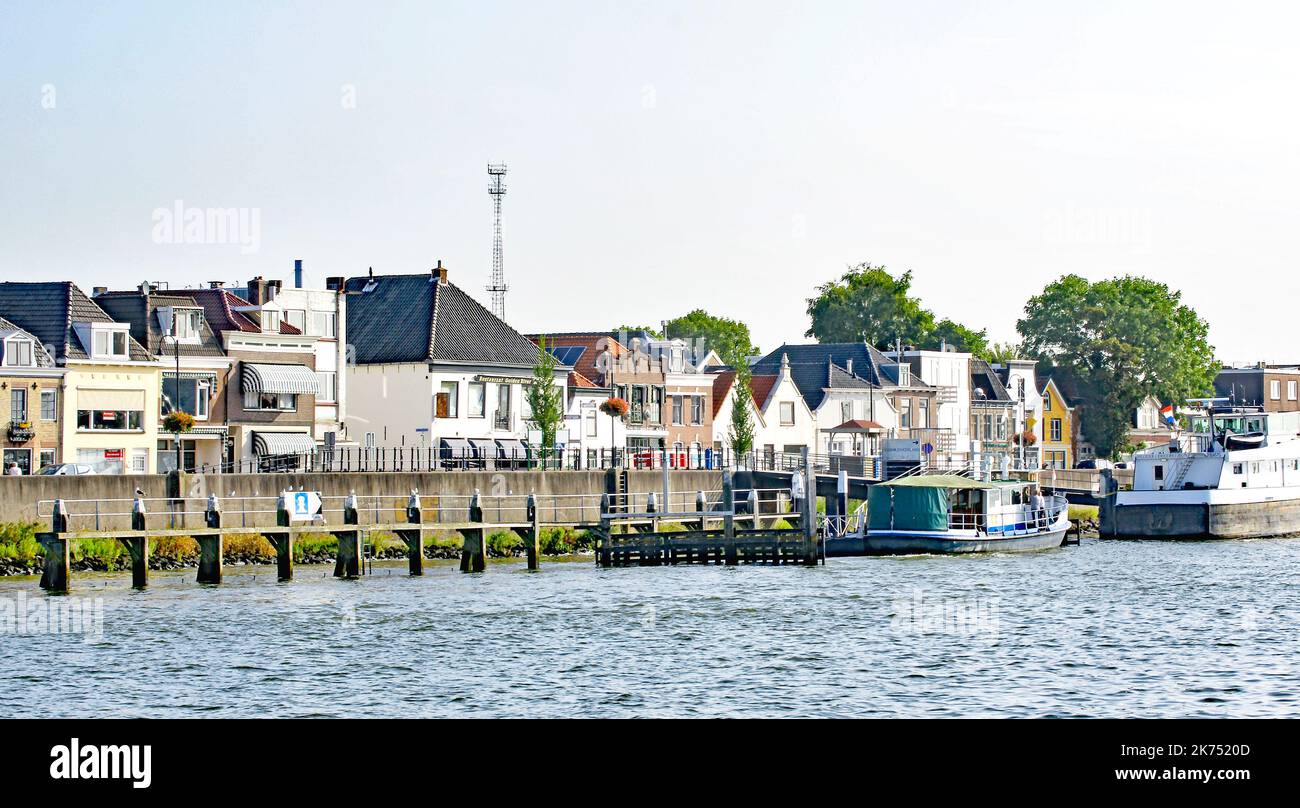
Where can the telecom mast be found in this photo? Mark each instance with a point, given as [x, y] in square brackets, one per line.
[497, 174]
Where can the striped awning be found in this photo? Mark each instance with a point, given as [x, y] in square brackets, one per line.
[186, 375]
[289, 379]
[282, 443]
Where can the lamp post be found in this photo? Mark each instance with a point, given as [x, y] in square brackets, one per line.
[176, 388]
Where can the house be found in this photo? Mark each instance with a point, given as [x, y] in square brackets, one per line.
[30, 383]
[945, 374]
[1149, 426]
[1060, 427]
[783, 422]
[108, 412]
[688, 395]
[1276, 388]
[633, 374]
[589, 434]
[431, 367]
[992, 415]
[1019, 377]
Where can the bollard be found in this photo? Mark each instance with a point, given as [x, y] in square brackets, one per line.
[842, 493]
[347, 563]
[652, 506]
[473, 556]
[532, 536]
[211, 547]
[414, 538]
[602, 537]
[753, 509]
[282, 542]
[809, 521]
[58, 554]
[701, 505]
[652, 556]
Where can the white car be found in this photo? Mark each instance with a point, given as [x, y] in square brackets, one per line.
[59, 469]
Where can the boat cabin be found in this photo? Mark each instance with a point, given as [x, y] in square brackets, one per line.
[954, 504]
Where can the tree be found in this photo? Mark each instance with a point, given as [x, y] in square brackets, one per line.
[1000, 353]
[867, 303]
[960, 337]
[545, 398]
[741, 432]
[1119, 341]
[729, 338]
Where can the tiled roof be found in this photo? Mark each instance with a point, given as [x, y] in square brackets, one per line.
[141, 312]
[761, 387]
[412, 318]
[722, 388]
[48, 310]
[576, 379]
[593, 345]
[983, 378]
[42, 357]
[818, 366]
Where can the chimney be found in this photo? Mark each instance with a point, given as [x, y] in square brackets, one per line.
[297, 273]
[256, 291]
[440, 272]
[335, 283]
[849, 366]
[100, 290]
[272, 289]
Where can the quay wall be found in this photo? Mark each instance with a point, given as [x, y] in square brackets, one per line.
[439, 490]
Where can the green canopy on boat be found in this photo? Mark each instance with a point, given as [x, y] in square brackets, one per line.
[907, 507]
[939, 481]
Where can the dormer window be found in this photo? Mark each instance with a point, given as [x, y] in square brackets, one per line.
[188, 324]
[19, 353]
[110, 344]
[270, 321]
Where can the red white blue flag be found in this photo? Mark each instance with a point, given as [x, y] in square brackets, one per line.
[1167, 413]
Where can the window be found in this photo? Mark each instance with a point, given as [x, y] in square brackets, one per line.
[119, 420]
[18, 404]
[988, 426]
[905, 413]
[787, 413]
[1274, 389]
[18, 353]
[477, 400]
[656, 405]
[109, 343]
[187, 395]
[270, 321]
[592, 421]
[1159, 472]
[923, 413]
[1056, 430]
[1238, 468]
[47, 458]
[677, 410]
[275, 402]
[846, 411]
[187, 324]
[503, 407]
[167, 456]
[140, 461]
[1002, 427]
[448, 399]
[697, 410]
[23, 457]
[324, 324]
[329, 386]
[1290, 390]
[296, 318]
[49, 405]
[370, 440]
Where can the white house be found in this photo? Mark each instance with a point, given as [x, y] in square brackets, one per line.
[431, 367]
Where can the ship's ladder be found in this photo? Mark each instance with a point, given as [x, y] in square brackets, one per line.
[1183, 467]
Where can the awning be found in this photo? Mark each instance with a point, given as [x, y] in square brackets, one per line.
[456, 447]
[857, 427]
[487, 448]
[282, 443]
[111, 400]
[512, 449]
[289, 379]
[200, 375]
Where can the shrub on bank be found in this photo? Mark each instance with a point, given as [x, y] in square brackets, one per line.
[18, 541]
[504, 543]
[176, 548]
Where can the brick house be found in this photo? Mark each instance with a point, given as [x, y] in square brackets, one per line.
[30, 388]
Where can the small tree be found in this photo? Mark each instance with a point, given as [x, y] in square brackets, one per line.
[545, 398]
[742, 420]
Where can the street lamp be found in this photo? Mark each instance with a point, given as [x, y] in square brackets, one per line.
[176, 389]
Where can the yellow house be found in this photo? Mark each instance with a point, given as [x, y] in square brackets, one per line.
[1058, 428]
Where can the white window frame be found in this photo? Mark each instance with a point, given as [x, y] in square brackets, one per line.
[787, 407]
[329, 381]
[1275, 389]
[29, 348]
[1291, 390]
[324, 323]
[296, 318]
[469, 403]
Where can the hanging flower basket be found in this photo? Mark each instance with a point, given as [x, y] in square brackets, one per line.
[614, 407]
[177, 422]
[21, 432]
[1026, 438]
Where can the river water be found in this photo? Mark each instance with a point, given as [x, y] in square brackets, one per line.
[1109, 628]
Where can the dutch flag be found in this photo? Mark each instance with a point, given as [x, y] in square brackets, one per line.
[1167, 413]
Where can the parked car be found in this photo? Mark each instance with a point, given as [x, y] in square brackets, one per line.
[60, 469]
[1094, 464]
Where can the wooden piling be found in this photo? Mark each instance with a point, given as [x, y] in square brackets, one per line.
[729, 520]
[532, 537]
[138, 546]
[809, 521]
[347, 562]
[211, 546]
[473, 555]
[414, 537]
[282, 542]
[58, 561]
[603, 557]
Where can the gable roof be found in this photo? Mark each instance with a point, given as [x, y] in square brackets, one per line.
[722, 388]
[583, 349]
[818, 366]
[48, 309]
[761, 386]
[1064, 388]
[141, 312]
[39, 354]
[984, 379]
[414, 318]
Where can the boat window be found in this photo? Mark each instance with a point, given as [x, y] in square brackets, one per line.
[1160, 472]
[1237, 468]
[1255, 425]
[1254, 468]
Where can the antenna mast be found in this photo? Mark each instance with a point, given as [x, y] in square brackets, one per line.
[497, 174]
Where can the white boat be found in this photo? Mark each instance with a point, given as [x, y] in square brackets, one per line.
[1235, 474]
[950, 513]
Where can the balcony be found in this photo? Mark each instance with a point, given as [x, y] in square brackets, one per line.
[20, 432]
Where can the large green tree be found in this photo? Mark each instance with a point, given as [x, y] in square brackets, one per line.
[867, 303]
[730, 338]
[1119, 340]
[545, 398]
[960, 337]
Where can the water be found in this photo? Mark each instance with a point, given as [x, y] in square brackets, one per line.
[1105, 629]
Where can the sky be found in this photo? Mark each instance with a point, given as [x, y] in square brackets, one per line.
[666, 156]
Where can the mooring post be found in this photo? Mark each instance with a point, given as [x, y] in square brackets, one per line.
[652, 506]
[414, 538]
[211, 547]
[473, 556]
[809, 512]
[533, 537]
[347, 562]
[701, 505]
[842, 493]
[58, 560]
[753, 508]
[138, 546]
[283, 542]
[728, 519]
[603, 534]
